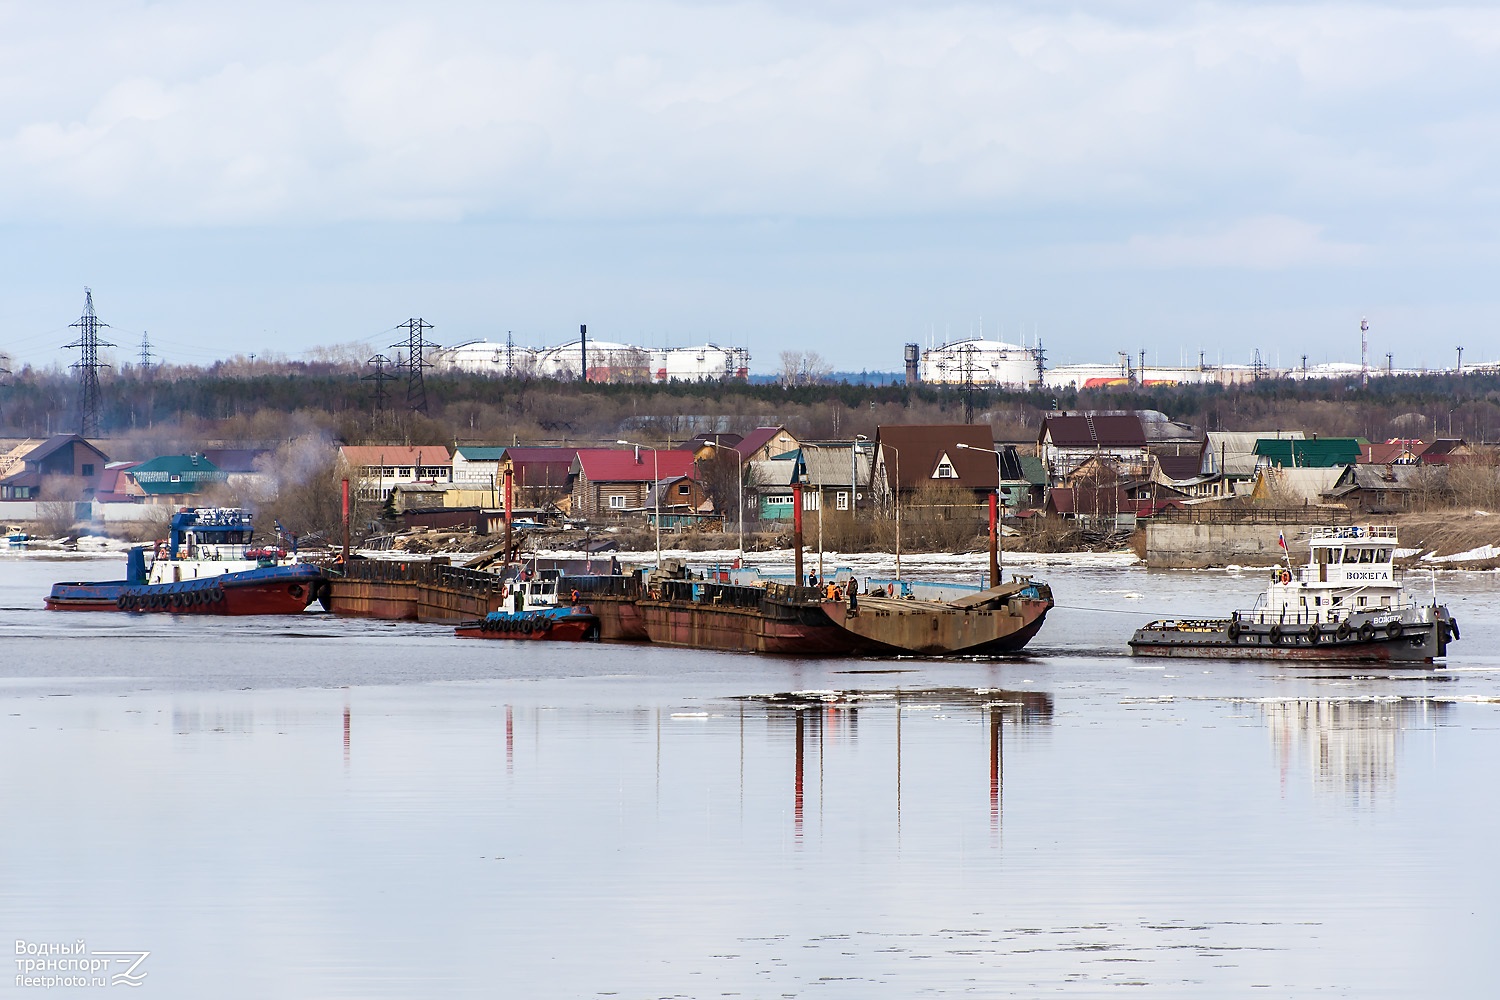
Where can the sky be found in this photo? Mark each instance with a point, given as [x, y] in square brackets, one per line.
[1115, 175]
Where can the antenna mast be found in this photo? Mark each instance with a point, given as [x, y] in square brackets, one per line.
[88, 365]
[416, 388]
[1364, 352]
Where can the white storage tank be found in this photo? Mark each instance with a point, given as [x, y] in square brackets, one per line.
[707, 363]
[985, 362]
[485, 357]
[608, 362]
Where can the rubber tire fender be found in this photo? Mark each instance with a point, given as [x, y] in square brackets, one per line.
[1393, 630]
[122, 602]
[1314, 634]
[1344, 631]
[1453, 627]
[216, 594]
[1233, 630]
[1366, 632]
[1275, 635]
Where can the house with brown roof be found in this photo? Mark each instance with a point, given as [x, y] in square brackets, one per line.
[378, 468]
[614, 482]
[910, 457]
[1067, 440]
[764, 443]
[66, 457]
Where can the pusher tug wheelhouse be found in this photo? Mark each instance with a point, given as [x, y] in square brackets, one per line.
[530, 609]
[207, 566]
[1347, 603]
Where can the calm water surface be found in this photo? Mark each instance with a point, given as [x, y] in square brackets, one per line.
[317, 808]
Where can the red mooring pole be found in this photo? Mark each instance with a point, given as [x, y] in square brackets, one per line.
[508, 498]
[346, 522]
[797, 531]
[995, 539]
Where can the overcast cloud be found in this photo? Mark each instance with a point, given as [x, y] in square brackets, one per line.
[839, 175]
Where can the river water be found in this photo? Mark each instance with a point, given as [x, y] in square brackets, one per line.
[325, 808]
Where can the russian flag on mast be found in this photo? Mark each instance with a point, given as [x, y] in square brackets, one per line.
[1281, 540]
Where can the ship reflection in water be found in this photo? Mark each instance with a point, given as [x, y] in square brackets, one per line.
[818, 719]
[1349, 745]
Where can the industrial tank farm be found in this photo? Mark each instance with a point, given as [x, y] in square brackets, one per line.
[607, 362]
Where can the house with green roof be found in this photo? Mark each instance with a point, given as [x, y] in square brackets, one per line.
[173, 480]
[1306, 453]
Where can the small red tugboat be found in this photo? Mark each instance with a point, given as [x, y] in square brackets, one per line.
[530, 610]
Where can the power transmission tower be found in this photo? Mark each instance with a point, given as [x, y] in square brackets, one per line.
[1257, 367]
[416, 388]
[966, 353]
[145, 354]
[380, 377]
[1041, 363]
[88, 365]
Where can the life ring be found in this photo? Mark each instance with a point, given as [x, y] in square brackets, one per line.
[1233, 630]
[1286, 577]
[1366, 632]
[1393, 630]
[1344, 632]
[122, 602]
[1275, 635]
[1314, 634]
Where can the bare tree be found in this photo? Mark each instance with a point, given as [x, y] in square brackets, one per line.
[803, 368]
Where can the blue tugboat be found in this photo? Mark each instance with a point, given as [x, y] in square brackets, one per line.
[207, 566]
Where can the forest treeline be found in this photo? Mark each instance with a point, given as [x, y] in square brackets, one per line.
[178, 409]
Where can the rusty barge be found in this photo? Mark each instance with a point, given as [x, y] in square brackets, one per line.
[786, 619]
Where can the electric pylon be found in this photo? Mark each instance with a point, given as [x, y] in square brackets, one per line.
[88, 365]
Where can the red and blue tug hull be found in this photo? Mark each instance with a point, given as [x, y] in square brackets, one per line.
[576, 623]
[269, 590]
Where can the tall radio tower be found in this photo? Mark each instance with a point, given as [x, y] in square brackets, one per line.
[1364, 352]
[88, 365]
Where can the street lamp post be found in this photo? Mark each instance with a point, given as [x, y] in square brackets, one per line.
[995, 564]
[896, 500]
[854, 476]
[655, 488]
[740, 468]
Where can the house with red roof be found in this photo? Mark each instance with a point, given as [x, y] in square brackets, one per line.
[605, 482]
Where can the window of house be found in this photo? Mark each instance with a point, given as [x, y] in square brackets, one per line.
[175, 478]
[88, 468]
[616, 502]
[683, 489]
[841, 501]
[811, 500]
[779, 500]
[405, 471]
[945, 470]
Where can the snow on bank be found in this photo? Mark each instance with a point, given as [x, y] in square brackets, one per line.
[1473, 555]
[944, 565]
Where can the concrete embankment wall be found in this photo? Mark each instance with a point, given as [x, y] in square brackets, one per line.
[1199, 546]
